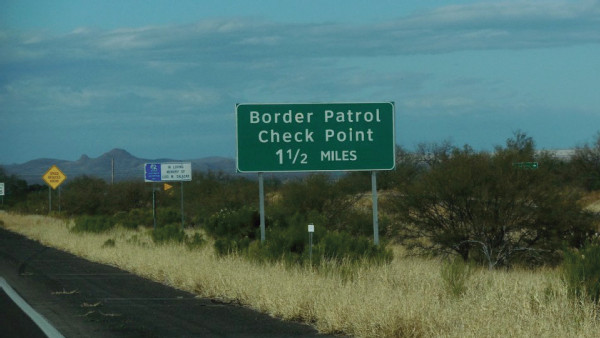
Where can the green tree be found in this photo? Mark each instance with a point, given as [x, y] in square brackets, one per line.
[480, 206]
[587, 163]
[318, 194]
[208, 193]
[128, 195]
[408, 167]
[85, 195]
[15, 189]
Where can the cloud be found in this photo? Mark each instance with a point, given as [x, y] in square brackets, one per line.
[241, 55]
[488, 25]
[177, 75]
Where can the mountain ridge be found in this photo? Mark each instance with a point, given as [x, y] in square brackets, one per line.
[117, 164]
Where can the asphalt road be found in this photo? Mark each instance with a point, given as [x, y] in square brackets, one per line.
[85, 299]
[14, 322]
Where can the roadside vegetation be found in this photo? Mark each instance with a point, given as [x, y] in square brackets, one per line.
[473, 243]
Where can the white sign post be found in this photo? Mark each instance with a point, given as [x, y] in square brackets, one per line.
[311, 231]
[2, 191]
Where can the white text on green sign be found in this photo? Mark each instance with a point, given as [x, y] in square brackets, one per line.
[315, 137]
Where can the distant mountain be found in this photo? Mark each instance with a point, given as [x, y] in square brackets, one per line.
[126, 166]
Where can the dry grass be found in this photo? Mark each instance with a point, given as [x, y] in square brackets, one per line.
[406, 298]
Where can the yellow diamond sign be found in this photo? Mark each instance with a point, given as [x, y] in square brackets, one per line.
[54, 177]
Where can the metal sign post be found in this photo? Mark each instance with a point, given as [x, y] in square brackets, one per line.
[182, 218]
[375, 212]
[154, 204]
[261, 198]
[167, 172]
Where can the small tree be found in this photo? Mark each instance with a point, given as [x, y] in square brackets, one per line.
[587, 163]
[481, 207]
[85, 195]
[15, 189]
[319, 194]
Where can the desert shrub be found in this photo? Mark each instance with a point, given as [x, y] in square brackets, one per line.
[15, 189]
[127, 195]
[95, 224]
[586, 162]
[581, 272]
[455, 274]
[137, 217]
[288, 244]
[287, 239]
[233, 230]
[85, 195]
[213, 191]
[35, 202]
[168, 233]
[195, 242]
[134, 218]
[341, 246]
[482, 207]
[109, 243]
[358, 222]
[291, 245]
[333, 201]
[168, 215]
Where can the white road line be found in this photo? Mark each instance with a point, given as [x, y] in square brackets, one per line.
[37, 318]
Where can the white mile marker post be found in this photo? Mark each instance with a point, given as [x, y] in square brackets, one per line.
[311, 230]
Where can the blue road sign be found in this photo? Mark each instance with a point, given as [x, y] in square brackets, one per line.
[152, 172]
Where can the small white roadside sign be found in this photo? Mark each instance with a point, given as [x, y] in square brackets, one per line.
[168, 172]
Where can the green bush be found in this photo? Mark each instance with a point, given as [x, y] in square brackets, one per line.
[195, 242]
[226, 246]
[135, 218]
[233, 230]
[482, 207]
[109, 243]
[455, 274]
[287, 244]
[581, 272]
[168, 233]
[85, 195]
[168, 215]
[243, 222]
[95, 224]
[339, 246]
[291, 245]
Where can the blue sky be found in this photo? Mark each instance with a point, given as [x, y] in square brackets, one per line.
[161, 78]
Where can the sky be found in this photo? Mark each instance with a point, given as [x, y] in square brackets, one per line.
[160, 79]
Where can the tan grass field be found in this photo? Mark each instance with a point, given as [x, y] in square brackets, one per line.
[405, 298]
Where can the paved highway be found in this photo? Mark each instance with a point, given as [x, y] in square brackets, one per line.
[84, 299]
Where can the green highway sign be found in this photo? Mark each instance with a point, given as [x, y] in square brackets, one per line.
[278, 137]
[527, 165]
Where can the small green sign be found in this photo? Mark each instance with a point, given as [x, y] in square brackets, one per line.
[527, 165]
[315, 137]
